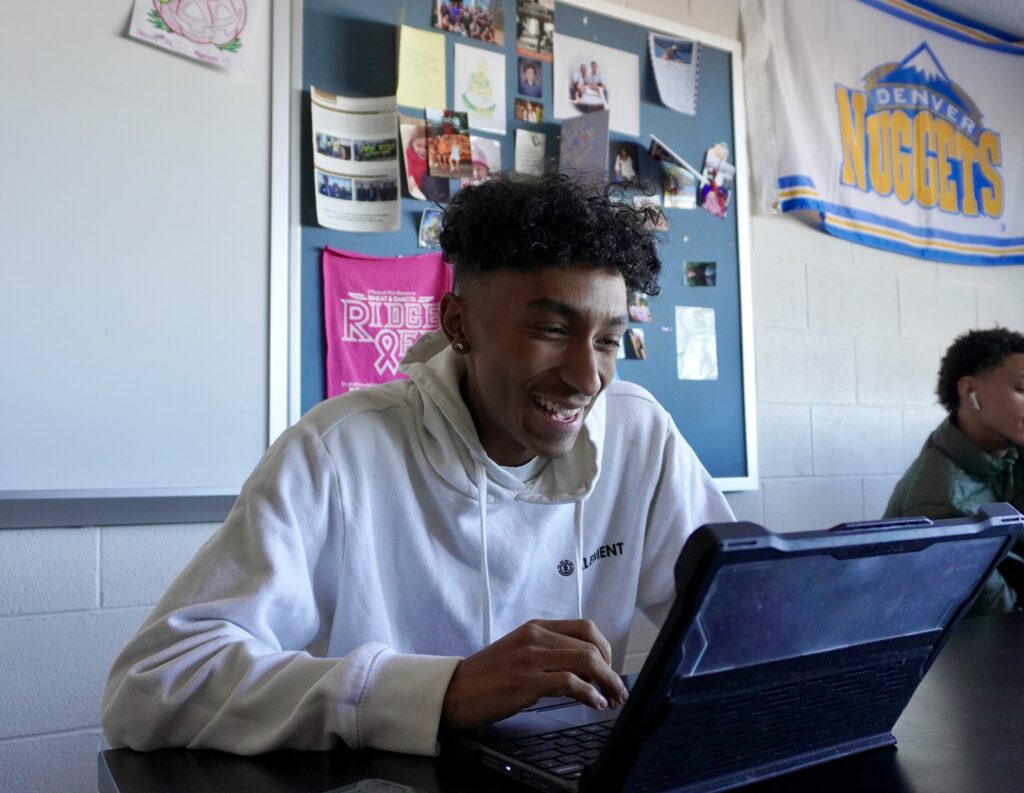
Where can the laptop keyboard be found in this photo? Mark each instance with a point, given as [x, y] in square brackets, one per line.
[751, 723]
[746, 721]
[564, 753]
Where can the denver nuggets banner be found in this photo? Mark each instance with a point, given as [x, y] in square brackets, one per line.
[901, 127]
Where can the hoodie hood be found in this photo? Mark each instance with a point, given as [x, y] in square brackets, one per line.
[452, 446]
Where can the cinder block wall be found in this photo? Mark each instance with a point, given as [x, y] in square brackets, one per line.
[69, 599]
[848, 344]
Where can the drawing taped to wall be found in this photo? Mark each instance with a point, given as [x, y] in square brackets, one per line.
[479, 87]
[210, 31]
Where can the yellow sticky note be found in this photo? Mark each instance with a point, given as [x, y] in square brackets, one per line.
[421, 68]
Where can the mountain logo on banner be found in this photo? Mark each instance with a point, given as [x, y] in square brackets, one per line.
[915, 134]
[920, 81]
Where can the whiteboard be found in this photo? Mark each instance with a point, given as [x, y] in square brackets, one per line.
[134, 257]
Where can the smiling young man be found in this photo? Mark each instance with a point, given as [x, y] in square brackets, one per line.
[450, 548]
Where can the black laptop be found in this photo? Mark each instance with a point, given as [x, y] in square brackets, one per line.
[781, 651]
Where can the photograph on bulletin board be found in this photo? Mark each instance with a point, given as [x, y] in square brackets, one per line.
[624, 161]
[486, 153]
[535, 28]
[651, 205]
[587, 77]
[528, 112]
[420, 184]
[448, 149]
[483, 20]
[676, 64]
[531, 77]
[718, 174]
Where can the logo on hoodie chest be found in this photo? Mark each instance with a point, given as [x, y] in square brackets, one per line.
[565, 567]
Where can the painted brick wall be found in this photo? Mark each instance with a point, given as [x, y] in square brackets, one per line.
[848, 343]
[69, 600]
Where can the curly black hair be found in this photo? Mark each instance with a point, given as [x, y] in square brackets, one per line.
[514, 221]
[970, 353]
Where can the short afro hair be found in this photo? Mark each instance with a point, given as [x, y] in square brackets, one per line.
[519, 222]
[972, 353]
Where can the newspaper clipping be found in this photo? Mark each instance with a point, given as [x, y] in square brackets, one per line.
[355, 162]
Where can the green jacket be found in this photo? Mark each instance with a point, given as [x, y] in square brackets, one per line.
[952, 477]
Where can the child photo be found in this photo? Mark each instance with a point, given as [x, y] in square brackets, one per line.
[420, 183]
[486, 159]
[448, 148]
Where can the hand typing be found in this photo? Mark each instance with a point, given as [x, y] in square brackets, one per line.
[543, 658]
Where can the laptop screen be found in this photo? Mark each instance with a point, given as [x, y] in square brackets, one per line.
[760, 611]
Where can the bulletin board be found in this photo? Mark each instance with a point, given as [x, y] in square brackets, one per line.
[350, 49]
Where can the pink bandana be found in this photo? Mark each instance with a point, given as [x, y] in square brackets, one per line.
[375, 309]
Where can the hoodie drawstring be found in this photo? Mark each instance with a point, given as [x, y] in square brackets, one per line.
[485, 573]
[578, 530]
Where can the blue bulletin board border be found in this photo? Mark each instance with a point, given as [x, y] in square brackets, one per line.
[319, 42]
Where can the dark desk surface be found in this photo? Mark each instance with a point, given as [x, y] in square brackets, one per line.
[962, 733]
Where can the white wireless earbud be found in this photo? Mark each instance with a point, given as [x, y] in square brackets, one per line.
[974, 401]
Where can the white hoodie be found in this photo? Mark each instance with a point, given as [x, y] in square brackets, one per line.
[376, 545]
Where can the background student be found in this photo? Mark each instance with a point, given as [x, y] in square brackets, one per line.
[974, 456]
